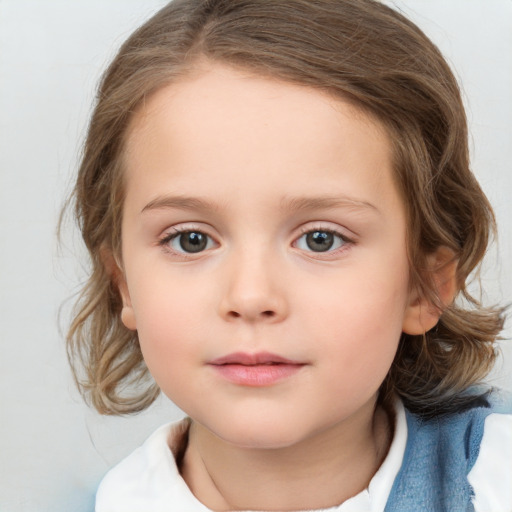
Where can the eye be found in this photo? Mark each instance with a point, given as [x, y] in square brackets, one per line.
[321, 240]
[188, 241]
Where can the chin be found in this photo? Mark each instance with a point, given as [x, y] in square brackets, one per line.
[263, 434]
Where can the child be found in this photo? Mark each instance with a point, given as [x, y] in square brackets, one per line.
[277, 201]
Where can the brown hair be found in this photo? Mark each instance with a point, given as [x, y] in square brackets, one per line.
[359, 50]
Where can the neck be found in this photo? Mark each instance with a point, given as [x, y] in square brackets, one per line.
[319, 472]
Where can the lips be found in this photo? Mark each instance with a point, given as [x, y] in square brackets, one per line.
[261, 358]
[255, 370]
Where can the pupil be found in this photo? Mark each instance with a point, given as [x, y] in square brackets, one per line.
[193, 242]
[319, 241]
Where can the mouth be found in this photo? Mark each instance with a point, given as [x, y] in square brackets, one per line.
[255, 370]
[260, 358]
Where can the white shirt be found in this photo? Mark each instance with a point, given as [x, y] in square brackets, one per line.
[148, 479]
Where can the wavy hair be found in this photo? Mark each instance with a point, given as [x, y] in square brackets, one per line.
[357, 50]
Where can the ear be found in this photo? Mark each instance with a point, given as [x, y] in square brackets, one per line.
[116, 273]
[421, 314]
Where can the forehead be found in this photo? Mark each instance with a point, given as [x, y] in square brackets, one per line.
[247, 130]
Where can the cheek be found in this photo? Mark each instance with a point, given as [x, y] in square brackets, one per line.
[168, 324]
[360, 321]
[364, 338]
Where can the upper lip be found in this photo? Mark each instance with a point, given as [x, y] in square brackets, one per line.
[245, 359]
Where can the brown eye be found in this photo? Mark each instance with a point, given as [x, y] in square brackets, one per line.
[321, 240]
[193, 241]
[189, 242]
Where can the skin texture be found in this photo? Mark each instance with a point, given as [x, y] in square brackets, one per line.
[265, 162]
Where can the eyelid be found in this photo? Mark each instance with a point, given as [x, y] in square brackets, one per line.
[330, 227]
[174, 231]
[347, 236]
[349, 240]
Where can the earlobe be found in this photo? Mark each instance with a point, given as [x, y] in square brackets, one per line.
[127, 313]
[421, 314]
[128, 318]
[117, 276]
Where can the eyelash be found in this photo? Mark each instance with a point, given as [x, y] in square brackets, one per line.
[177, 232]
[346, 242]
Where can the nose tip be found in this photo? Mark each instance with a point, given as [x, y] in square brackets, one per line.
[252, 294]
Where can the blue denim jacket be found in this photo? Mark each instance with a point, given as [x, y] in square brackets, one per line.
[439, 455]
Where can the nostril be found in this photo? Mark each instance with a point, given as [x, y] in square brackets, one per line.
[264, 314]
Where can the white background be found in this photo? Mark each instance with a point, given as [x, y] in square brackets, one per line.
[53, 450]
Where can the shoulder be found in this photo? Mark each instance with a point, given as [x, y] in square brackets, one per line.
[463, 429]
[148, 479]
[127, 483]
[446, 459]
[491, 475]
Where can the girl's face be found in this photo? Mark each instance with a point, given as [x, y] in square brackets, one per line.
[264, 255]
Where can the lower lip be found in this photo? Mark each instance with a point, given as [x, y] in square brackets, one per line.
[258, 375]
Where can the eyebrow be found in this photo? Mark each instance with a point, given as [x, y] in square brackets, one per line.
[179, 202]
[291, 204]
[325, 202]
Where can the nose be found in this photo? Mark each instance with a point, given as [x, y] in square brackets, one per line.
[254, 290]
